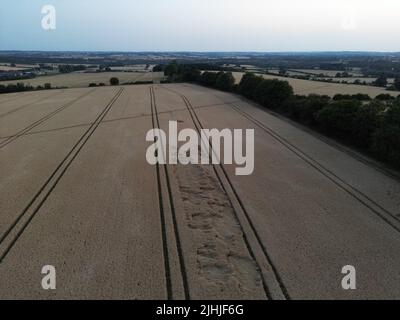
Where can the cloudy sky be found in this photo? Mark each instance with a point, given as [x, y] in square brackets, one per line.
[203, 25]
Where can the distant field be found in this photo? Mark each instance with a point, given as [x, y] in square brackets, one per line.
[361, 79]
[136, 67]
[326, 73]
[7, 68]
[307, 87]
[18, 67]
[79, 80]
[329, 73]
[351, 80]
[291, 73]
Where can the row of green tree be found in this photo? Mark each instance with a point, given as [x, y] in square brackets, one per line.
[373, 126]
[68, 68]
[382, 81]
[175, 68]
[369, 124]
[21, 87]
[114, 81]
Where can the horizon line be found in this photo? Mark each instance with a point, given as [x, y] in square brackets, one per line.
[195, 51]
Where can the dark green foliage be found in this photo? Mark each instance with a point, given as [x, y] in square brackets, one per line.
[220, 80]
[225, 81]
[384, 97]
[197, 66]
[381, 82]
[143, 82]
[66, 68]
[131, 83]
[351, 121]
[20, 87]
[171, 69]
[180, 73]
[386, 139]
[305, 108]
[208, 79]
[114, 81]
[358, 96]
[373, 125]
[248, 84]
[272, 93]
[158, 68]
[397, 83]
[367, 120]
[189, 74]
[262, 93]
[338, 117]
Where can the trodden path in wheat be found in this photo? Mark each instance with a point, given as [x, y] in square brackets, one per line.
[76, 192]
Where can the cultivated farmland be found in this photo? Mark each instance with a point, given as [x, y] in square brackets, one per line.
[81, 80]
[77, 192]
[328, 73]
[305, 87]
[18, 67]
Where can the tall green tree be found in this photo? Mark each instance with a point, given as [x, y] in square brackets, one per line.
[225, 81]
[171, 69]
[386, 139]
[339, 117]
[248, 84]
[381, 81]
[114, 81]
[272, 93]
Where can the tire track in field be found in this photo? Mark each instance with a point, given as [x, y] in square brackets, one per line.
[368, 162]
[183, 272]
[272, 283]
[386, 215]
[28, 93]
[389, 217]
[144, 115]
[26, 105]
[22, 221]
[42, 120]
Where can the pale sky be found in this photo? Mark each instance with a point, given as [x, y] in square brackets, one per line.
[203, 25]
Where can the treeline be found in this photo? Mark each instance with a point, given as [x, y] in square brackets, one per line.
[10, 76]
[21, 87]
[184, 70]
[372, 125]
[68, 68]
[380, 68]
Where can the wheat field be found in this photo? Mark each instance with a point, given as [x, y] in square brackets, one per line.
[305, 87]
[80, 80]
